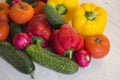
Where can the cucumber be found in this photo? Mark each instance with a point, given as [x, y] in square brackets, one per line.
[51, 60]
[28, 1]
[16, 58]
[14, 29]
[8, 1]
[54, 18]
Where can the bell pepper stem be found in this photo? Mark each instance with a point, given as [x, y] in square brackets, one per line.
[69, 53]
[61, 8]
[91, 15]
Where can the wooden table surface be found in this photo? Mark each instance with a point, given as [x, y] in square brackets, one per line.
[102, 69]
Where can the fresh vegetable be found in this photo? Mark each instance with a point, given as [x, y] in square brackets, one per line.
[53, 16]
[4, 30]
[39, 27]
[89, 19]
[98, 45]
[16, 58]
[28, 26]
[66, 40]
[65, 7]
[4, 10]
[21, 12]
[14, 29]
[83, 58]
[29, 1]
[38, 7]
[51, 60]
[4, 17]
[21, 40]
[8, 1]
[16, 1]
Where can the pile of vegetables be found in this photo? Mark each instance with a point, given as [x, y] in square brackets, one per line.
[60, 35]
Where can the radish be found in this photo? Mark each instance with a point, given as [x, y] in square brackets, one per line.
[15, 1]
[21, 40]
[83, 58]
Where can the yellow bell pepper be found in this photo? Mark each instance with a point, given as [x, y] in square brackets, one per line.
[65, 7]
[89, 19]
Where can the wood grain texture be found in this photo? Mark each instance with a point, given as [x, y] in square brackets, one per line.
[102, 69]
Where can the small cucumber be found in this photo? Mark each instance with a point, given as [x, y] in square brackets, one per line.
[54, 18]
[51, 60]
[27, 1]
[16, 58]
[14, 29]
[8, 1]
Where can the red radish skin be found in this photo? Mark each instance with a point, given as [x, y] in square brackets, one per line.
[83, 58]
[21, 40]
[15, 1]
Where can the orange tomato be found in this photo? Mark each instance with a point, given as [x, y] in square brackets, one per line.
[4, 11]
[4, 8]
[97, 45]
[4, 30]
[21, 12]
[38, 7]
[4, 17]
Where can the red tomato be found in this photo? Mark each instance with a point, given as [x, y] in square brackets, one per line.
[97, 45]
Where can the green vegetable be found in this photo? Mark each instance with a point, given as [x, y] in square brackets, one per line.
[54, 18]
[14, 29]
[16, 58]
[8, 1]
[28, 1]
[51, 60]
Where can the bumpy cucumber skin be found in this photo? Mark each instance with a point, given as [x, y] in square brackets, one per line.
[53, 16]
[14, 29]
[51, 60]
[16, 58]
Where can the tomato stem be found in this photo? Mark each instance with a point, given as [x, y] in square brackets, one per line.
[98, 40]
[22, 7]
[91, 15]
[1, 8]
